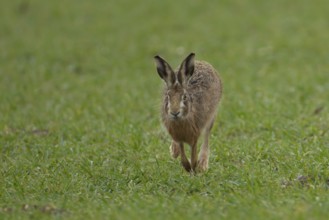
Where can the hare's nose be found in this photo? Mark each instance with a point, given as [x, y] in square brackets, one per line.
[175, 114]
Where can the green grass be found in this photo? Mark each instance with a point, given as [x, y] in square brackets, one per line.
[80, 135]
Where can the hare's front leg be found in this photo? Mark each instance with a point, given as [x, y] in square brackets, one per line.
[204, 152]
[194, 156]
[186, 164]
[174, 149]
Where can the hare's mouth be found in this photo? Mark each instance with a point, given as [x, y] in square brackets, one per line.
[174, 118]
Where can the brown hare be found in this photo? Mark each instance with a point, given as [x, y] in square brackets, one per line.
[191, 97]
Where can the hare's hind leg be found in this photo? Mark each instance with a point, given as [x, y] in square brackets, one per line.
[204, 152]
[174, 149]
[186, 164]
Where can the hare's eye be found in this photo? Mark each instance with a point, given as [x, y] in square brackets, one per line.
[184, 97]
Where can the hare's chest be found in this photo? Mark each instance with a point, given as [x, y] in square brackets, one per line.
[183, 132]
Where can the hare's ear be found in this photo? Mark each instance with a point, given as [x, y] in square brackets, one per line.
[165, 71]
[186, 69]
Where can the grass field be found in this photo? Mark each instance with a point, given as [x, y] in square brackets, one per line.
[80, 134]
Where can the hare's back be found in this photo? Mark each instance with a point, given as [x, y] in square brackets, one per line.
[204, 88]
[204, 77]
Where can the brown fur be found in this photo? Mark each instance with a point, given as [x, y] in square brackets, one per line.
[195, 95]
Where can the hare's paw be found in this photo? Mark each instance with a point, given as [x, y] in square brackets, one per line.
[203, 164]
[174, 150]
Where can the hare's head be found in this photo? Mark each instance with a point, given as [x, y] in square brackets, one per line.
[177, 100]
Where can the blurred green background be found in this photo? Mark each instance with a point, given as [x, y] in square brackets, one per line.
[80, 98]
